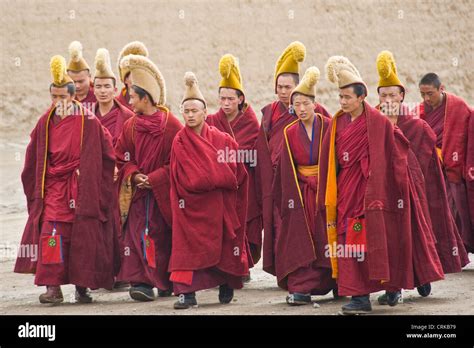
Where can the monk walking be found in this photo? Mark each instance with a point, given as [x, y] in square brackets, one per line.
[448, 116]
[368, 195]
[143, 155]
[134, 47]
[432, 196]
[80, 72]
[237, 118]
[209, 205]
[68, 183]
[300, 262]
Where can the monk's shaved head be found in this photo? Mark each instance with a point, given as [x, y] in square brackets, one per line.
[431, 79]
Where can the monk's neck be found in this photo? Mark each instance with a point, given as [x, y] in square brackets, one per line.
[104, 108]
[308, 125]
[441, 100]
[151, 110]
[233, 116]
[81, 97]
[198, 129]
[357, 112]
[393, 119]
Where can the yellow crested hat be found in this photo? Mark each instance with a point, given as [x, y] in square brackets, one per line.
[340, 71]
[308, 83]
[135, 47]
[58, 71]
[192, 90]
[230, 72]
[387, 70]
[103, 66]
[289, 60]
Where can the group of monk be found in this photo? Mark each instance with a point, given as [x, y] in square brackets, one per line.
[121, 194]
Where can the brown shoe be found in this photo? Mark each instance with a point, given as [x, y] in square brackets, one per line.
[53, 294]
[82, 295]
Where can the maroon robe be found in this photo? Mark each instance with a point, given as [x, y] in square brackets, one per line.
[74, 159]
[450, 122]
[300, 262]
[372, 179]
[124, 98]
[90, 100]
[244, 129]
[275, 117]
[208, 200]
[114, 119]
[449, 244]
[145, 147]
[470, 168]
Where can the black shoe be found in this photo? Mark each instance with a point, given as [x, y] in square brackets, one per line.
[424, 290]
[185, 301]
[393, 298]
[164, 293]
[142, 292]
[358, 305]
[297, 299]
[382, 299]
[226, 294]
[335, 294]
[82, 295]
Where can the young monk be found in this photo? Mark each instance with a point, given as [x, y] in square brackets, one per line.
[368, 197]
[134, 47]
[80, 72]
[111, 113]
[422, 139]
[68, 183]
[209, 205]
[448, 116]
[300, 262]
[143, 155]
[237, 118]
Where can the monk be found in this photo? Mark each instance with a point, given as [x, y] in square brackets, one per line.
[68, 183]
[80, 72]
[448, 116]
[449, 245]
[300, 262]
[143, 154]
[209, 205]
[237, 118]
[368, 197]
[275, 117]
[134, 47]
[111, 113]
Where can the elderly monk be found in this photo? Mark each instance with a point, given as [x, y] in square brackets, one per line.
[68, 183]
[448, 115]
[143, 157]
[433, 196]
[80, 72]
[237, 118]
[368, 197]
[137, 48]
[299, 253]
[209, 205]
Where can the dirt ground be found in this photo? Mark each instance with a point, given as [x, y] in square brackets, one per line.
[189, 35]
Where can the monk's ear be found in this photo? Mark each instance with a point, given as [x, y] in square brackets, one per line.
[441, 88]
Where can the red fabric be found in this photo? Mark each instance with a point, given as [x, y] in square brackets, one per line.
[470, 171]
[244, 129]
[93, 220]
[299, 246]
[51, 249]
[90, 100]
[209, 231]
[372, 178]
[449, 245]
[450, 122]
[64, 147]
[124, 98]
[183, 277]
[145, 147]
[114, 119]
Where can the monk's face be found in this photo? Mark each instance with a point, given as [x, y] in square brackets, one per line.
[390, 100]
[138, 105]
[104, 90]
[285, 85]
[431, 95]
[229, 101]
[303, 106]
[61, 99]
[348, 100]
[194, 113]
[82, 80]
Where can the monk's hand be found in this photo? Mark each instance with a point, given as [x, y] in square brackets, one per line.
[78, 172]
[140, 180]
[147, 184]
[115, 174]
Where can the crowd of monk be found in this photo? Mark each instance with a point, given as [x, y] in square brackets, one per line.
[121, 194]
